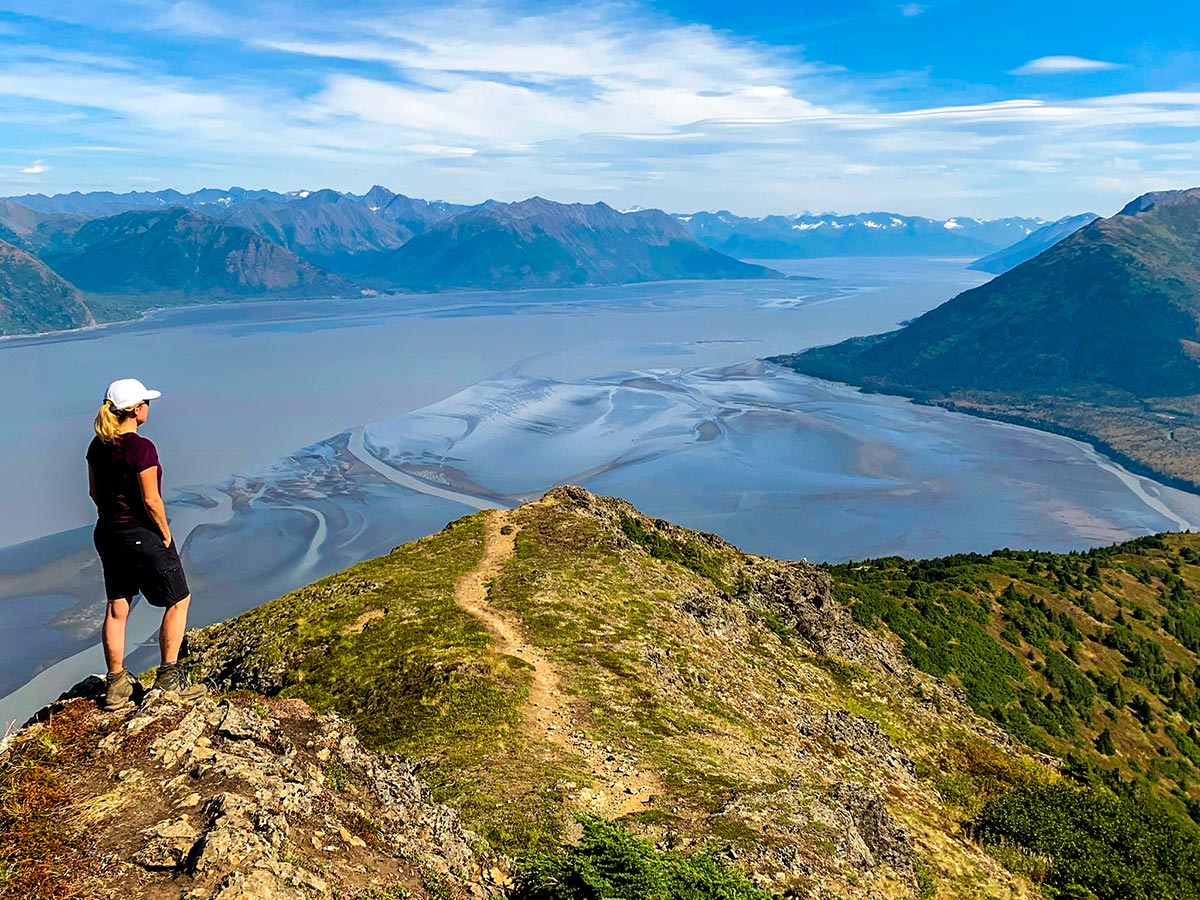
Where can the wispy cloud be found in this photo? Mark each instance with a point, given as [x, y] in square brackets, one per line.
[37, 168]
[508, 101]
[191, 18]
[1057, 65]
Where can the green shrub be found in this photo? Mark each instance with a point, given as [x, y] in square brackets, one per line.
[688, 554]
[1115, 846]
[609, 863]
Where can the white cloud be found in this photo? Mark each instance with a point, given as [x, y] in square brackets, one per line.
[37, 168]
[437, 150]
[191, 18]
[1057, 65]
[911, 9]
[476, 101]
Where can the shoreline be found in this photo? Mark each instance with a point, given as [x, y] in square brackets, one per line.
[152, 311]
[1101, 447]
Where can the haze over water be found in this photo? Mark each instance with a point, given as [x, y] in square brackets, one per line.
[649, 392]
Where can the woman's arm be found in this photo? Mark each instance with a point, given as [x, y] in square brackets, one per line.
[92, 492]
[152, 500]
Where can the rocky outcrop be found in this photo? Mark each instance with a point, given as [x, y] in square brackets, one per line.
[868, 836]
[839, 729]
[245, 798]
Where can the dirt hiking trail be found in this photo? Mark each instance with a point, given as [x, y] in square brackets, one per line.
[621, 786]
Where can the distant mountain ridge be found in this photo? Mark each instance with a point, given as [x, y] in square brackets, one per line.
[229, 244]
[1098, 336]
[383, 241]
[537, 243]
[806, 236]
[106, 203]
[341, 232]
[1046, 236]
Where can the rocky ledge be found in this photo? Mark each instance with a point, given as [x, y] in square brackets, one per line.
[237, 798]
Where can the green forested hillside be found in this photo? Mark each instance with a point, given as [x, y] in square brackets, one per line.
[1093, 658]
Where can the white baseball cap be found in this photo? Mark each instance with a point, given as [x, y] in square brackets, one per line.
[126, 393]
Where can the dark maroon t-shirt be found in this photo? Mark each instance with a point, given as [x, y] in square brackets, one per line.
[115, 468]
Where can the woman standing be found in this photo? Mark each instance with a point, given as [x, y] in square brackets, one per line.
[134, 541]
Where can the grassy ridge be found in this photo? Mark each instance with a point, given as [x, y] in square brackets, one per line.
[677, 657]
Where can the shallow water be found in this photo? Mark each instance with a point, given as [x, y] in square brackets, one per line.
[648, 392]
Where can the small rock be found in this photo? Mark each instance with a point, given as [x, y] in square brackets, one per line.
[167, 845]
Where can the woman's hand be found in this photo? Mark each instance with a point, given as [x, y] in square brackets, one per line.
[167, 539]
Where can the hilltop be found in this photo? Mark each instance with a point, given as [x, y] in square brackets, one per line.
[1096, 337]
[814, 731]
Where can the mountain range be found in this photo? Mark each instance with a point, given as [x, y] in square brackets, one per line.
[182, 250]
[865, 234]
[129, 252]
[384, 241]
[573, 699]
[1097, 337]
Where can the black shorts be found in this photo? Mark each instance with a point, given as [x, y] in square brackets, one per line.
[136, 561]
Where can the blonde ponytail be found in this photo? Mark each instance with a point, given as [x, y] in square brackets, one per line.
[108, 421]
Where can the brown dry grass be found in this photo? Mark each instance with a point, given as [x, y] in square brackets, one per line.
[44, 855]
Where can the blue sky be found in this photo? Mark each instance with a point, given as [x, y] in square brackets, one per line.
[943, 107]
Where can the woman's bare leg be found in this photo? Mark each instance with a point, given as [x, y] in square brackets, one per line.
[170, 635]
[112, 636]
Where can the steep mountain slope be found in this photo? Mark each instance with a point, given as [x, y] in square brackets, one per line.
[33, 231]
[1094, 658]
[864, 234]
[1098, 337]
[185, 252]
[33, 298]
[538, 243]
[1045, 237]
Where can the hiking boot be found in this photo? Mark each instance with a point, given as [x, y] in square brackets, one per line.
[118, 691]
[173, 680]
